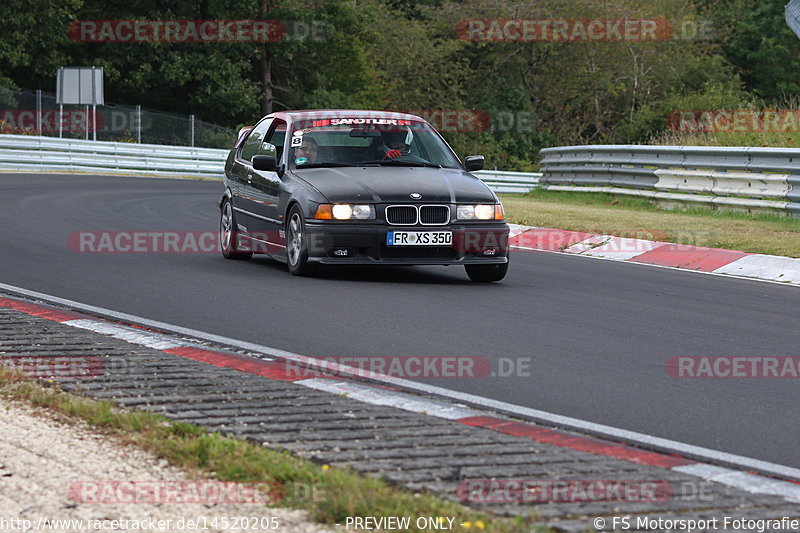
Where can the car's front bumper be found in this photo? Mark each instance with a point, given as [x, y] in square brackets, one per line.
[365, 244]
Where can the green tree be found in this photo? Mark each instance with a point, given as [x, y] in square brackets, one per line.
[765, 52]
[34, 41]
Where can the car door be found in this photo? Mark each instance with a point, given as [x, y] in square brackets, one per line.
[266, 185]
[246, 202]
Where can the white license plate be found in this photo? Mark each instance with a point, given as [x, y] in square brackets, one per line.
[419, 238]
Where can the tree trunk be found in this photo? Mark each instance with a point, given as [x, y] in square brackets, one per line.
[265, 65]
[266, 81]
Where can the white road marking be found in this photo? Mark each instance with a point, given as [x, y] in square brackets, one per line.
[771, 267]
[388, 398]
[752, 483]
[623, 249]
[151, 340]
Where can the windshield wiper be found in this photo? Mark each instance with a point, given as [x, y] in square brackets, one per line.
[326, 164]
[401, 163]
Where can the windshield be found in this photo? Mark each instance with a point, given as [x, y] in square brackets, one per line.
[367, 141]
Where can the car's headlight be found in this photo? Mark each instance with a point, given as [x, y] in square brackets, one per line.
[344, 212]
[480, 212]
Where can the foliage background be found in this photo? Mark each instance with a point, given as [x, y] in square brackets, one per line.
[405, 55]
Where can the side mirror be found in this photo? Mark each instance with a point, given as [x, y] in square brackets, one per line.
[265, 162]
[473, 162]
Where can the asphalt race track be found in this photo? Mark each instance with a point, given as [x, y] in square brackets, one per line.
[598, 333]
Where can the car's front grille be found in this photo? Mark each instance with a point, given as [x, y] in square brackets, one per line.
[401, 215]
[434, 214]
[410, 215]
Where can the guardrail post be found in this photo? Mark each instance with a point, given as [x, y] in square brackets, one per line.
[38, 111]
[139, 124]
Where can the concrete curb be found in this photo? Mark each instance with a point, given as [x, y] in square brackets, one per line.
[683, 256]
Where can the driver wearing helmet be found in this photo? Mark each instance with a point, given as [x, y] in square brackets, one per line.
[397, 142]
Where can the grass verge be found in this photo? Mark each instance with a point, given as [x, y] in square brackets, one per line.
[329, 494]
[639, 218]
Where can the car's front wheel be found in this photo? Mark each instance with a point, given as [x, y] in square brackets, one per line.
[297, 244]
[228, 242]
[486, 273]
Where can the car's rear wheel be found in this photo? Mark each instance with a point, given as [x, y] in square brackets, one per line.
[486, 273]
[297, 244]
[228, 242]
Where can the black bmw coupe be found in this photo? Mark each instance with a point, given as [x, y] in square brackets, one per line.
[349, 187]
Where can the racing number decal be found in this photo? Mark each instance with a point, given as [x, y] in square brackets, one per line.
[297, 139]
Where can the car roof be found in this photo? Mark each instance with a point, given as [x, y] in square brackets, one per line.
[306, 114]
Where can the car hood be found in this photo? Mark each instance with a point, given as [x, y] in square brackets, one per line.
[396, 184]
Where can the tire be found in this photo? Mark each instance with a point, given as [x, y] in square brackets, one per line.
[228, 241]
[297, 244]
[486, 273]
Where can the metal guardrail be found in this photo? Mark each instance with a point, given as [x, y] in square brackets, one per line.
[744, 178]
[509, 182]
[755, 179]
[34, 153]
[23, 152]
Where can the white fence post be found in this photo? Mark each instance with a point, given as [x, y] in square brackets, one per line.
[38, 111]
[139, 124]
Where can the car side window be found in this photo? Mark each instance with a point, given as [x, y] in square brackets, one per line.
[273, 143]
[252, 144]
